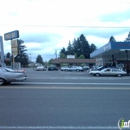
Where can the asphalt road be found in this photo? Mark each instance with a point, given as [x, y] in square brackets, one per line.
[45, 102]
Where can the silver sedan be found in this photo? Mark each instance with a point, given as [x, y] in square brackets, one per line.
[40, 68]
[108, 71]
[7, 77]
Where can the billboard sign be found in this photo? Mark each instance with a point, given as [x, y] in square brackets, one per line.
[11, 35]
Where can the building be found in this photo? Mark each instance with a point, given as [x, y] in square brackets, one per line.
[114, 54]
[70, 62]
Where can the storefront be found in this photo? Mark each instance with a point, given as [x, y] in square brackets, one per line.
[113, 54]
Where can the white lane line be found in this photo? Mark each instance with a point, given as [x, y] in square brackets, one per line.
[64, 83]
[73, 88]
[94, 78]
[60, 127]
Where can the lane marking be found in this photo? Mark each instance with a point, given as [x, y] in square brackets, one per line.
[73, 88]
[60, 127]
[64, 83]
[93, 78]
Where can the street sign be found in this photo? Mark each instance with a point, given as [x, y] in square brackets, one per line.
[11, 35]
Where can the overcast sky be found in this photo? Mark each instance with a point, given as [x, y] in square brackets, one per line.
[49, 25]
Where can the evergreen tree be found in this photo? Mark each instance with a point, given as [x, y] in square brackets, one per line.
[84, 46]
[63, 53]
[112, 39]
[79, 46]
[92, 48]
[22, 56]
[39, 59]
[70, 50]
[62, 56]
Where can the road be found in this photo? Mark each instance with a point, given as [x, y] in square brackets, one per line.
[60, 100]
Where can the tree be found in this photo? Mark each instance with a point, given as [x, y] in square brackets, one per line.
[81, 57]
[22, 57]
[39, 59]
[49, 62]
[112, 39]
[92, 48]
[85, 47]
[62, 56]
[70, 50]
[63, 50]
[79, 46]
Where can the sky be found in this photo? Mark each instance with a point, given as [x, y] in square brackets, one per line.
[46, 26]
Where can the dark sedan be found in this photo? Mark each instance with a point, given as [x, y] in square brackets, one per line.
[52, 68]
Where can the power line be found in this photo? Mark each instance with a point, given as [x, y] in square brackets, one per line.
[71, 26]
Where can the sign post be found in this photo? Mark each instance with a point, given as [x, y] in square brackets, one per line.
[14, 46]
[14, 49]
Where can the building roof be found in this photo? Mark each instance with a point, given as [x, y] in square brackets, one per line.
[111, 46]
[73, 61]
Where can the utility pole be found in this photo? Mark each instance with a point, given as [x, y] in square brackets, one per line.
[30, 57]
[56, 53]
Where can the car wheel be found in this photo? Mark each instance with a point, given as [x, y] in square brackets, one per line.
[97, 74]
[119, 75]
[77, 70]
[2, 81]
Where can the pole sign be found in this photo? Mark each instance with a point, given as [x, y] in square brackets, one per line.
[14, 47]
[11, 35]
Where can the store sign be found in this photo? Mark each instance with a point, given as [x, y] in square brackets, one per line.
[11, 35]
[14, 47]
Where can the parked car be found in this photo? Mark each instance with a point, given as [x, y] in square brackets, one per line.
[64, 68]
[52, 67]
[108, 71]
[40, 68]
[76, 68]
[16, 71]
[7, 77]
[86, 67]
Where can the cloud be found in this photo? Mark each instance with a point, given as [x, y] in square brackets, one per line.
[116, 17]
[49, 25]
[40, 37]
